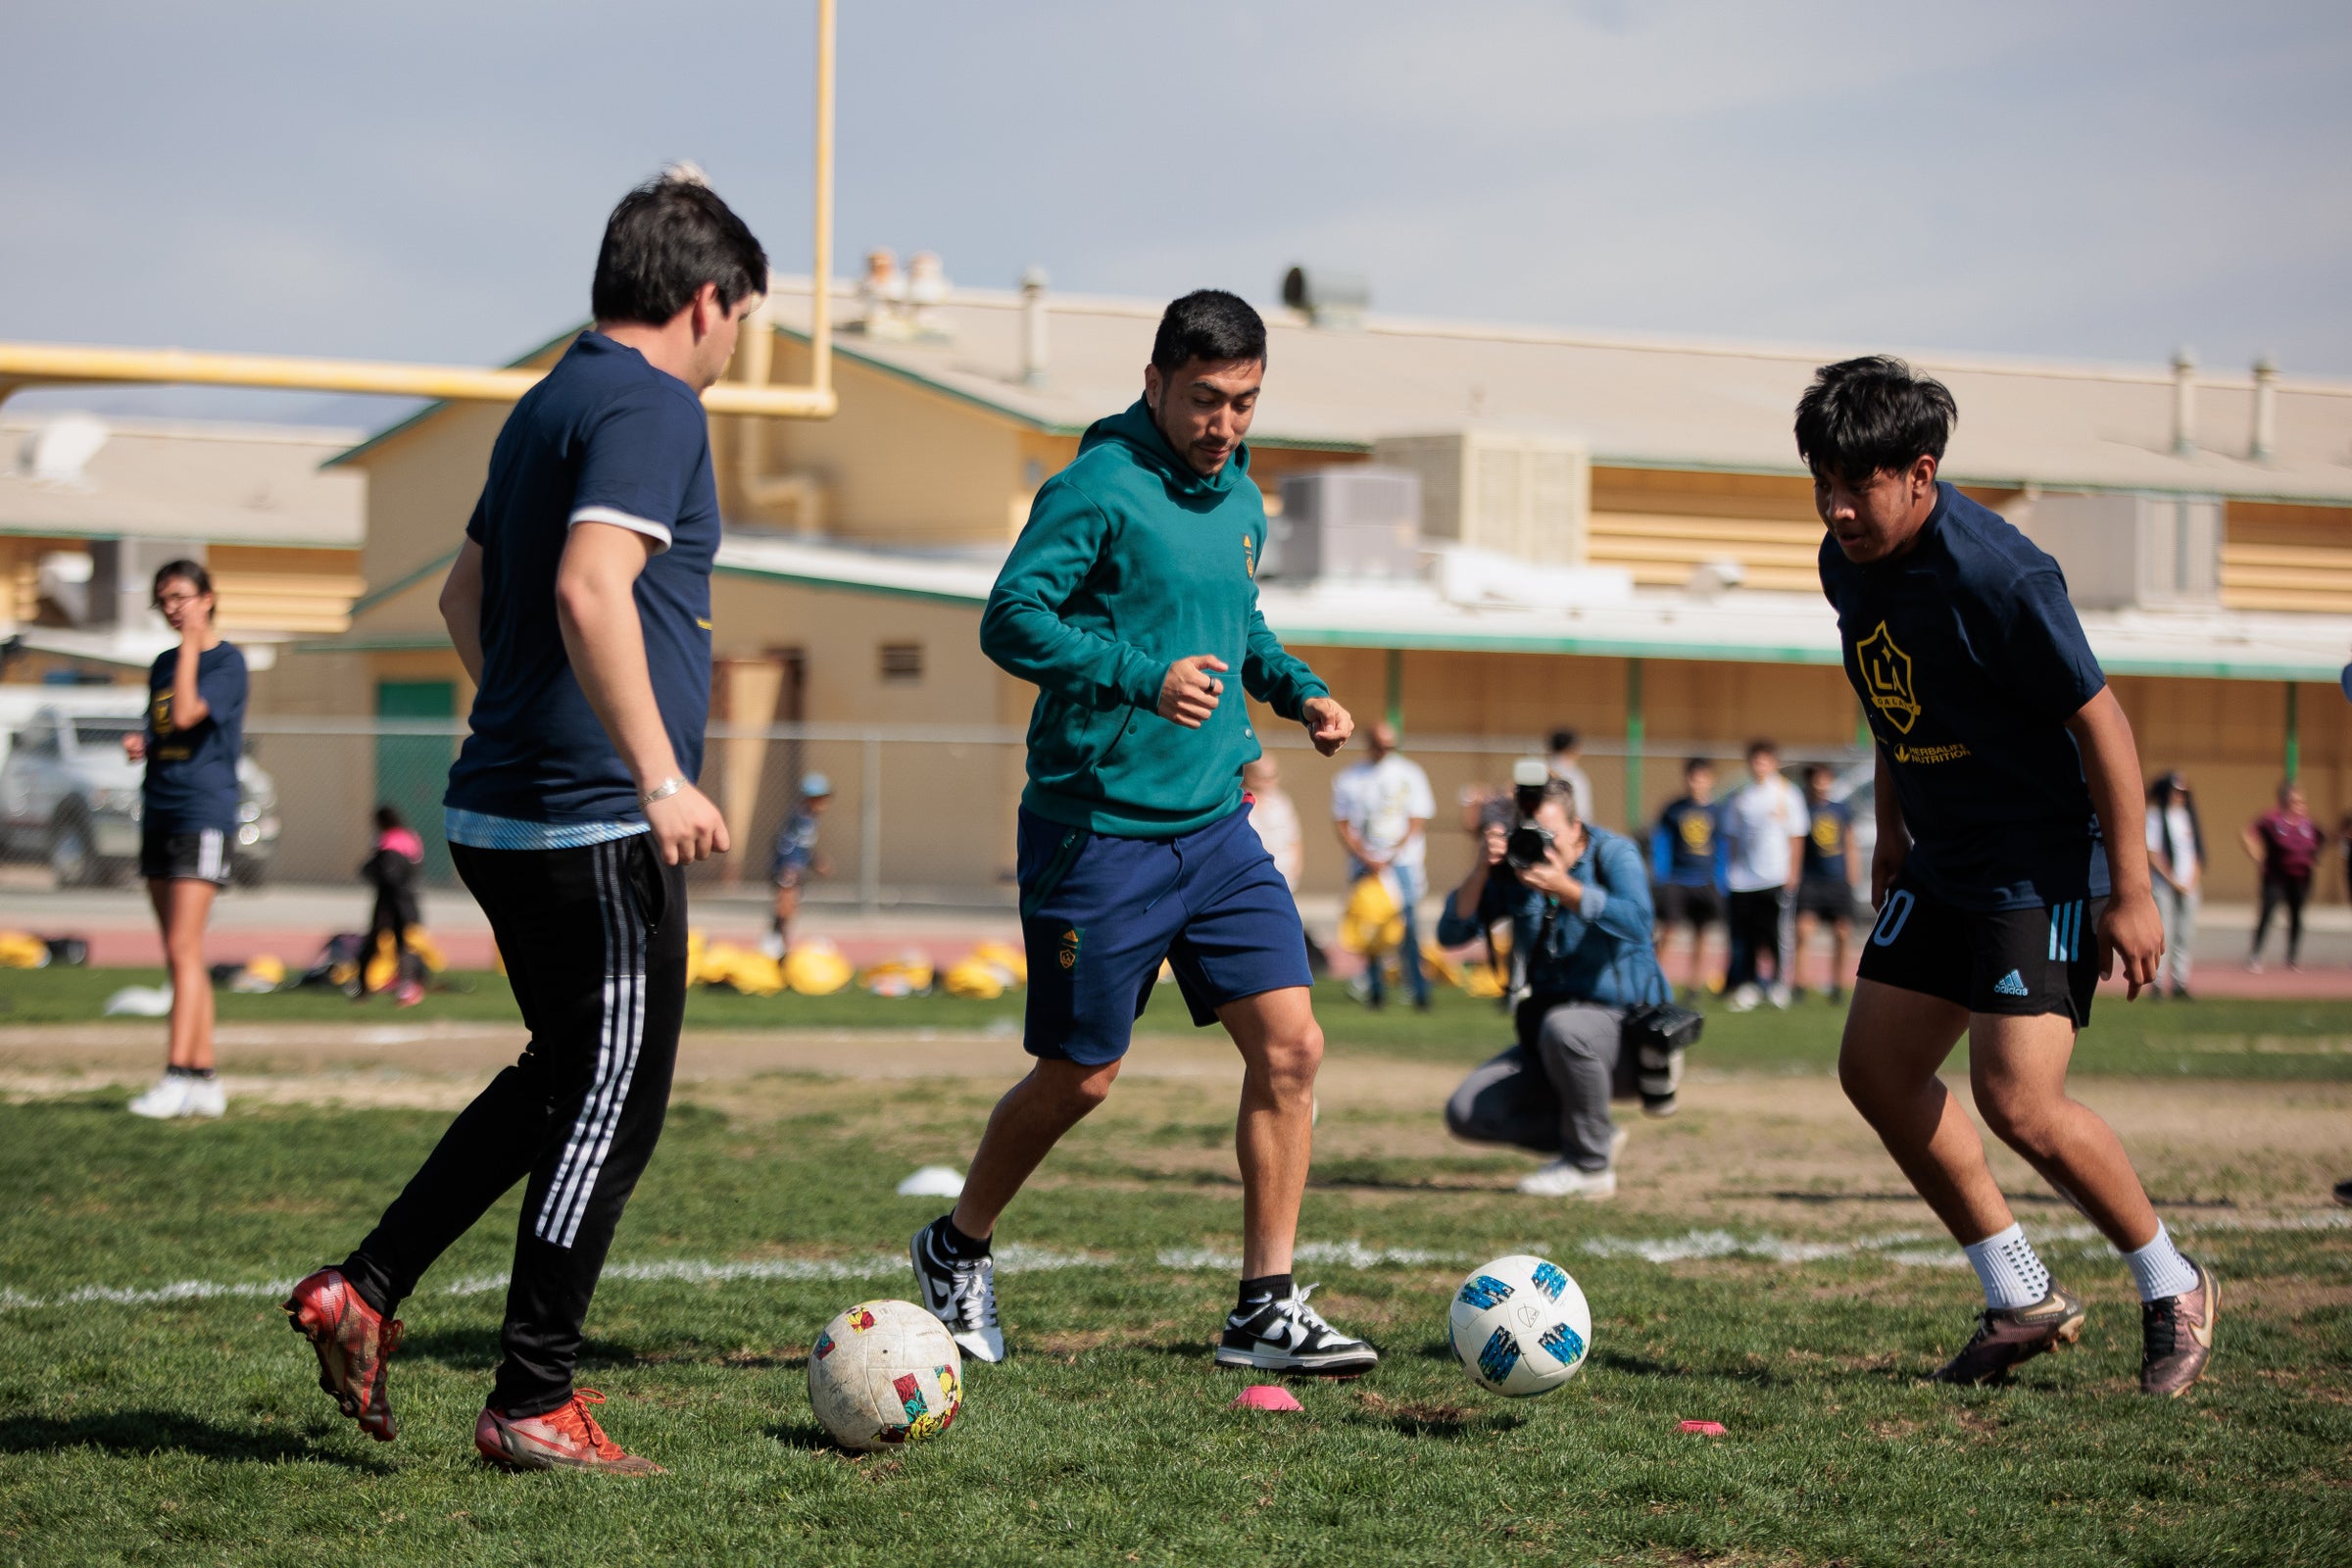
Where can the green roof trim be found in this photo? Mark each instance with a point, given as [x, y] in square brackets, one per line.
[799, 579]
[403, 583]
[412, 642]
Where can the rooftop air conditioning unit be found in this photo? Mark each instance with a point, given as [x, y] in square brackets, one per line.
[1516, 494]
[1356, 522]
[2120, 551]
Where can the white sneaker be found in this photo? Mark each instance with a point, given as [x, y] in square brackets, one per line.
[167, 1099]
[206, 1097]
[1560, 1179]
[1745, 1000]
[1782, 997]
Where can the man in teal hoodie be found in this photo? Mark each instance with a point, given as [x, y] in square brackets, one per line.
[1130, 593]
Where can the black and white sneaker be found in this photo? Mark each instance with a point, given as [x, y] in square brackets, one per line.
[1286, 1335]
[960, 1292]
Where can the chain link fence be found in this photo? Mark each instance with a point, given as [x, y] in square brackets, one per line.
[919, 814]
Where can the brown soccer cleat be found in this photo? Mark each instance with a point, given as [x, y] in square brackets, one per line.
[566, 1437]
[2007, 1336]
[354, 1344]
[2177, 1336]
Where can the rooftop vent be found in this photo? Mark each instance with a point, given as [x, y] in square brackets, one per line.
[2265, 440]
[1333, 300]
[55, 454]
[2185, 402]
[1033, 325]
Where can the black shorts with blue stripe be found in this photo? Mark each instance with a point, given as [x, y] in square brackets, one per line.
[2018, 963]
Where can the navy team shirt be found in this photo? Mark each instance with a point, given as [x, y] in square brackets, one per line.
[1824, 840]
[1968, 662]
[604, 438]
[192, 773]
[1686, 843]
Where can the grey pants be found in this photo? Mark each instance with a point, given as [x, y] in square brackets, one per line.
[1562, 1106]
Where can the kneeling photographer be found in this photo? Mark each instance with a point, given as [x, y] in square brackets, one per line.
[1595, 1019]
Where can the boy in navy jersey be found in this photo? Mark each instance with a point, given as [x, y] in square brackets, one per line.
[1686, 864]
[2005, 766]
[580, 604]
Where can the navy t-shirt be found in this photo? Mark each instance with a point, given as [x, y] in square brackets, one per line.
[605, 438]
[1683, 848]
[192, 773]
[1968, 662]
[1832, 823]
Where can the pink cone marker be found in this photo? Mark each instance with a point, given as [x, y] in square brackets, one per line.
[1707, 1429]
[1266, 1396]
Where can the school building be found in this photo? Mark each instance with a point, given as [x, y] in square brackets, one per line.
[1614, 535]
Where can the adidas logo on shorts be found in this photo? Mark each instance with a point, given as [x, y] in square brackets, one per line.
[2012, 984]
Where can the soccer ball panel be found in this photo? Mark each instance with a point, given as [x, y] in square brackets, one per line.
[883, 1374]
[1520, 1326]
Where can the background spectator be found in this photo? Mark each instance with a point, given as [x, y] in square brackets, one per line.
[2176, 853]
[1764, 827]
[1825, 892]
[2285, 843]
[797, 858]
[1685, 861]
[391, 871]
[1381, 809]
[1564, 763]
[1276, 818]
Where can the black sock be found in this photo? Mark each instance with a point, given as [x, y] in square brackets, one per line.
[1258, 1291]
[957, 1246]
[189, 1072]
[207, 1073]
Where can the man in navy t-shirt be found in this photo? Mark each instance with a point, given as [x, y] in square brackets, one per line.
[580, 604]
[2004, 765]
[1825, 892]
[1686, 863]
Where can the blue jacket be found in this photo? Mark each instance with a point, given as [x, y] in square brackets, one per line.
[1600, 953]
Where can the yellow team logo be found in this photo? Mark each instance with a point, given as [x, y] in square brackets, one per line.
[1069, 949]
[1249, 555]
[1699, 832]
[1825, 833]
[1887, 676]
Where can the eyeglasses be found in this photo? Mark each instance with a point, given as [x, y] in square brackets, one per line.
[175, 601]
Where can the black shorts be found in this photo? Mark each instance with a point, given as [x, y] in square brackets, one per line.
[1681, 903]
[1825, 898]
[2018, 963]
[171, 856]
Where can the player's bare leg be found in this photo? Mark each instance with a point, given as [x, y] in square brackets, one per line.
[2017, 1069]
[1895, 1042]
[1023, 1130]
[1282, 1049]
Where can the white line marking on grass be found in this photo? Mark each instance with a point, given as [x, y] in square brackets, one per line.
[1903, 1246]
[1315, 1254]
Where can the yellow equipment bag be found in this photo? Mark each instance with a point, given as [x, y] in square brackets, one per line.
[1372, 922]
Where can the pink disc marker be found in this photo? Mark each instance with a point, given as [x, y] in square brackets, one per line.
[1266, 1396]
[1707, 1429]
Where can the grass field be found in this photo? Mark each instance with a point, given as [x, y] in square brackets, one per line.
[2225, 1039]
[1762, 1268]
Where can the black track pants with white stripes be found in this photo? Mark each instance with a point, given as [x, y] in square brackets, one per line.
[594, 944]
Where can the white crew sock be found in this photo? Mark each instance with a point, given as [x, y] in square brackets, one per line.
[2010, 1271]
[2160, 1269]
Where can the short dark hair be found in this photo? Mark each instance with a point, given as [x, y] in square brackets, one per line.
[1814, 770]
[1862, 416]
[1761, 747]
[1209, 324]
[1556, 788]
[1695, 764]
[667, 239]
[1563, 740]
[191, 573]
[388, 817]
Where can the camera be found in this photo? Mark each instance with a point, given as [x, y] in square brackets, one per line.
[1528, 844]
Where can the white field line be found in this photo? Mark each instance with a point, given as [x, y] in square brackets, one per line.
[1919, 1249]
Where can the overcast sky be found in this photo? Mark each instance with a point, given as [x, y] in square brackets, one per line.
[427, 180]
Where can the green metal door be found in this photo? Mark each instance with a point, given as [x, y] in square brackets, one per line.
[412, 771]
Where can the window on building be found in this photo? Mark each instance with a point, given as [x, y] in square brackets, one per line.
[901, 663]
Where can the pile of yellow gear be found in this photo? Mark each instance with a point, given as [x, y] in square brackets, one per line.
[992, 969]
[263, 973]
[1372, 921]
[726, 963]
[816, 969]
[1005, 957]
[908, 974]
[19, 950]
[383, 966]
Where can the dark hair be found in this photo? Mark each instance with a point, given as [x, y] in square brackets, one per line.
[1695, 764]
[1861, 417]
[191, 573]
[1209, 324]
[1762, 748]
[1814, 770]
[1563, 740]
[667, 239]
[387, 817]
[1556, 788]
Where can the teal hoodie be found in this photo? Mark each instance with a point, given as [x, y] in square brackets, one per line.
[1130, 561]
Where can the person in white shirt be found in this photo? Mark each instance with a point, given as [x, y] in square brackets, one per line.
[1764, 827]
[1275, 819]
[1566, 749]
[1382, 809]
[2176, 854]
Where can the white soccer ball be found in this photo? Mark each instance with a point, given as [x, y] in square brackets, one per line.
[1520, 1326]
[885, 1373]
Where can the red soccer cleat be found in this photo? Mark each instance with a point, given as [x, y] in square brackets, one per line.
[354, 1344]
[566, 1437]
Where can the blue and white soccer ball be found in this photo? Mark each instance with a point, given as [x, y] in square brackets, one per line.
[1520, 1326]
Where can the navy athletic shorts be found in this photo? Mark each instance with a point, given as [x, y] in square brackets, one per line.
[2021, 962]
[1099, 912]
